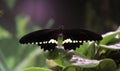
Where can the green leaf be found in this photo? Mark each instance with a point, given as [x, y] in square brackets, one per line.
[82, 50]
[110, 36]
[107, 65]
[101, 53]
[91, 50]
[89, 69]
[37, 69]
[87, 50]
[107, 39]
[73, 68]
[57, 68]
[112, 47]
[58, 55]
[59, 62]
[115, 40]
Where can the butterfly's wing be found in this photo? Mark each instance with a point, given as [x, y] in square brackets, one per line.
[81, 34]
[41, 38]
[78, 36]
[37, 36]
[50, 46]
[69, 46]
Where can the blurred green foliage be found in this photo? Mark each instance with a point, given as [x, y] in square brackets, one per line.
[10, 3]
[17, 57]
[4, 33]
[37, 69]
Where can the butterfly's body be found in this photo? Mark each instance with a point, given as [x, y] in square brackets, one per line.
[62, 38]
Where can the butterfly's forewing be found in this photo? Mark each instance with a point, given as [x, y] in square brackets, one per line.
[38, 36]
[80, 34]
[41, 38]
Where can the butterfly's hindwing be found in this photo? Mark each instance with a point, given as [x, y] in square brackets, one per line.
[50, 46]
[69, 46]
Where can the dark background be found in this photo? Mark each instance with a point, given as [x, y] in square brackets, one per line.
[96, 15]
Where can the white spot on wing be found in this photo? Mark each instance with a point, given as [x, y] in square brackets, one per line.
[80, 41]
[67, 41]
[36, 43]
[43, 42]
[53, 41]
[40, 42]
[32, 43]
[74, 41]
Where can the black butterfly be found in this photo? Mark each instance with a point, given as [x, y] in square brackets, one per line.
[71, 38]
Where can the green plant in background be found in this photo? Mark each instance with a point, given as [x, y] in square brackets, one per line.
[91, 56]
[16, 57]
[101, 56]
